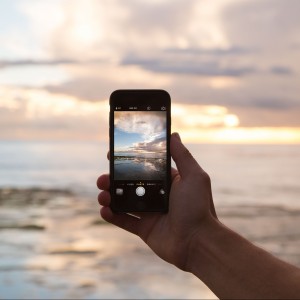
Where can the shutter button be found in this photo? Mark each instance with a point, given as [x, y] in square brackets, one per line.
[140, 191]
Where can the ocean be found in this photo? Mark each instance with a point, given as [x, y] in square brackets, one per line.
[240, 174]
[65, 165]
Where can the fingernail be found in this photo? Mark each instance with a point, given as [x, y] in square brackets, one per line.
[176, 135]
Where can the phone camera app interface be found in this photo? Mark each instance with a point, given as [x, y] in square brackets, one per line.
[140, 154]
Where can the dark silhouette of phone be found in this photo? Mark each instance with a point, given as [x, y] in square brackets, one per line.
[140, 160]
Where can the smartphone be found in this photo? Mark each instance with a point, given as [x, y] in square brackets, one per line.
[140, 160]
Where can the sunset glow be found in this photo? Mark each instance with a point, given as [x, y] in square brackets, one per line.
[196, 123]
[243, 135]
[56, 78]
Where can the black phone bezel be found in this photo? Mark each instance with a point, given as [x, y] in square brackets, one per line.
[157, 98]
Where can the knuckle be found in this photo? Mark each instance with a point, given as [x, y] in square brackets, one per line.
[186, 153]
[203, 177]
[206, 178]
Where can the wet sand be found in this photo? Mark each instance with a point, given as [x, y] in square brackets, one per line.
[54, 245]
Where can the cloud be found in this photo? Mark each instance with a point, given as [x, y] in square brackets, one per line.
[192, 66]
[264, 117]
[110, 28]
[97, 82]
[265, 91]
[281, 70]
[30, 62]
[86, 88]
[49, 62]
[269, 25]
[36, 114]
[157, 145]
[39, 115]
[241, 55]
[149, 124]
[198, 61]
[163, 41]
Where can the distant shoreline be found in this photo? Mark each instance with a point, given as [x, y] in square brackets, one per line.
[137, 157]
[14, 196]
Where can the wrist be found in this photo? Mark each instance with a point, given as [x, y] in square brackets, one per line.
[201, 244]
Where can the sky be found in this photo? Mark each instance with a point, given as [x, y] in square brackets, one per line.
[141, 132]
[231, 66]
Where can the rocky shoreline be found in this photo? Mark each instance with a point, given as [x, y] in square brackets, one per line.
[55, 245]
[30, 196]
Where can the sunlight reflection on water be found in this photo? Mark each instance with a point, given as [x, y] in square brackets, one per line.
[135, 168]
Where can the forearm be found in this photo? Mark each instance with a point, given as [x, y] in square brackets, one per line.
[232, 267]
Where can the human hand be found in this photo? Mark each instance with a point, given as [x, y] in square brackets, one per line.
[190, 209]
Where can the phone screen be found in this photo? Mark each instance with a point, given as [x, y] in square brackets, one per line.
[140, 159]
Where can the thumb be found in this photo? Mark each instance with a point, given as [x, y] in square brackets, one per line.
[184, 160]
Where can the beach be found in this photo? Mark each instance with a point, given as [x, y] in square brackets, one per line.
[55, 245]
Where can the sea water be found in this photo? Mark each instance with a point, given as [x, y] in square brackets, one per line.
[65, 165]
[76, 257]
[240, 174]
